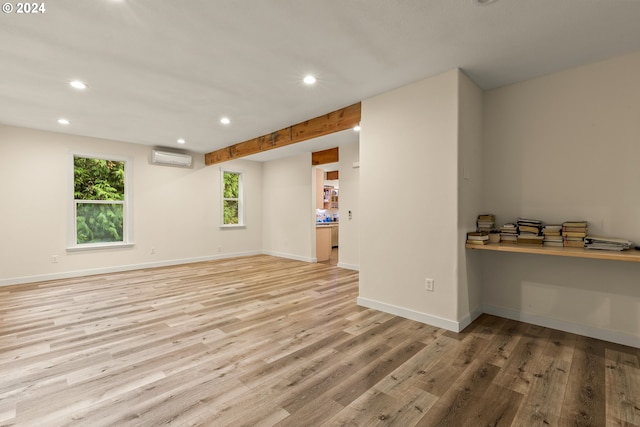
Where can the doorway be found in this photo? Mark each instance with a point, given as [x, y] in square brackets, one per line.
[327, 213]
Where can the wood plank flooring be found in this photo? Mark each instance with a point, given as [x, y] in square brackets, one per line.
[265, 341]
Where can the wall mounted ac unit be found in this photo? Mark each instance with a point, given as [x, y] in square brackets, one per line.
[172, 159]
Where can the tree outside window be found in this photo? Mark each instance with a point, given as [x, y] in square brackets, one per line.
[232, 208]
[99, 200]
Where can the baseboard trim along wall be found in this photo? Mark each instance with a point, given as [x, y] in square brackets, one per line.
[349, 266]
[469, 318]
[119, 268]
[574, 328]
[563, 325]
[439, 322]
[290, 256]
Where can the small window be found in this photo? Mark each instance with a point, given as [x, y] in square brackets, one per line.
[232, 205]
[100, 207]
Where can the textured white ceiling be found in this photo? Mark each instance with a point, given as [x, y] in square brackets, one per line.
[159, 70]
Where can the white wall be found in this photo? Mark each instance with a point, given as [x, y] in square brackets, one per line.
[175, 210]
[289, 207]
[349, 235]
[409, 168]
[470, 192]
[564, 147]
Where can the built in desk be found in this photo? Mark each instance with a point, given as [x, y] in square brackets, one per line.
[627, 255]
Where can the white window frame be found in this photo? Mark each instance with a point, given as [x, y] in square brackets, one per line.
[127, 215]
[241, 208]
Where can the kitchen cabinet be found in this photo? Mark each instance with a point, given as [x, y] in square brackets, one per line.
[334, 199]
[331, 198]
[323, 243]
[334, 235]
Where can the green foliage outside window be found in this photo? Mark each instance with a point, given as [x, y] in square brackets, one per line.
[99, 223]
[231, 198]
[100, 180]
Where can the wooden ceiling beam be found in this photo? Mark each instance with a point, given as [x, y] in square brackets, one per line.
[336, 121]
[323, 157]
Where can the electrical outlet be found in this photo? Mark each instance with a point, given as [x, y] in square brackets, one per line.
[153, 250]
[54, 259]
[428, 284]
[219, 248]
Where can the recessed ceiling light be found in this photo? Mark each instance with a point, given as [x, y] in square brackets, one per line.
[63, 121]
[309, 79]
[77, 84]
[225, 120]
[356, 128]
[181, 141]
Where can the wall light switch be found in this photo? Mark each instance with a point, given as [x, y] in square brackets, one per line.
[428, 284]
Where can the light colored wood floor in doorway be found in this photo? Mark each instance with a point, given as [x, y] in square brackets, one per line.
[264, 341]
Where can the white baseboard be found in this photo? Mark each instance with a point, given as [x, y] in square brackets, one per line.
[410, 314]
[349, 266]
[469, 318]
[119, 268]
[563, 325]
[289, 256]
[457, 326]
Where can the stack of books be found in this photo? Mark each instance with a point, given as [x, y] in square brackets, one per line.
[552, 235]
[509, 233]
[529, 231]
[573, 233]
[478, 238]
[486, 222]
[606, 243]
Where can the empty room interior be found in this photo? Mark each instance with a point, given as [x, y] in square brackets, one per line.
[236, 213]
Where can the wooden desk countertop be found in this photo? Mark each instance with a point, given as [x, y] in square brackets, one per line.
[627, 255]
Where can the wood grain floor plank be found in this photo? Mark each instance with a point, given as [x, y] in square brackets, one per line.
[375, 408]
[506, 340]
[196, 391]
[412, 373]
[313, 414]
[623, 384]
[542, 403]
[526, 361]
[437, 378]
[473, 400]
[585, 402]
[354, 386]
[265, 341]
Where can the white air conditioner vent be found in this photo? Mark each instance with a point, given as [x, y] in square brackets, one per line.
[172, 159]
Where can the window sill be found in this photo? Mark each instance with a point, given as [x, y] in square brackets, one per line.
[92, 246]
[232, 226]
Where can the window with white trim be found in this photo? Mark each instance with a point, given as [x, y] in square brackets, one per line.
[100, 202]
[232, 198]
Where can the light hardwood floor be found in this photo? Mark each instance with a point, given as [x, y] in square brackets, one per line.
[262, 341]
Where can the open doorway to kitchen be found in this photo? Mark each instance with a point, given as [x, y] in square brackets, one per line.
[336, 177]
[327, 213]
